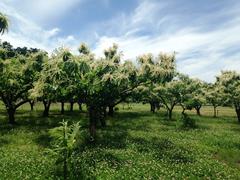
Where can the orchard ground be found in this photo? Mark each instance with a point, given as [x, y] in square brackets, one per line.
[136, 144]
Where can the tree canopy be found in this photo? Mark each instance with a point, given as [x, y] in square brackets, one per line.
[4, 23]
[229, 82]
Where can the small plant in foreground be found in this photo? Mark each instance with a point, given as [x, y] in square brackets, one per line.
[66, 140]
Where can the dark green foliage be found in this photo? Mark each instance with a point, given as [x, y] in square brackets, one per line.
[229, 82]
[4, 23]
[18, 75]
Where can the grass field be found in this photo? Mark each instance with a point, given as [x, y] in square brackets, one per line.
[136, 144]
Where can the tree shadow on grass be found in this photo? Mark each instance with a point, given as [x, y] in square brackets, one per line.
[3, 142]
[132, 125]
[164, 149]
[111, 139]
[36, 121]
[44, 140]
[86, 164]
[6, 128]
[139, 121]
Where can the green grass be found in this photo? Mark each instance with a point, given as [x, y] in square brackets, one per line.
[136, 144]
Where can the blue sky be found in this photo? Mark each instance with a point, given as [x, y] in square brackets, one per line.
[205, 34]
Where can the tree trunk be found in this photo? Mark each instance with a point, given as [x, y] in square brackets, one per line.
[31, 104]
[170, 114]
[103, 121]
[80, 106]
[152, 105]
[62, 107]
[183, 111]
[71, 106]
[92, 122]
[110, 110]
[105, 112]
[238, 113]
[215, 111]
[102, 115]
[46, 108]
[198, 111]
[11, 112]
[157, 105]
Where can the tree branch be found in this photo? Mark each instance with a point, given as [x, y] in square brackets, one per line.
[21, 103]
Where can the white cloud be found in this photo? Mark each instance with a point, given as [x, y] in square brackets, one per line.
[53, 32]
[145, 12]
[24, 32]
[42, 10]
[209, 47]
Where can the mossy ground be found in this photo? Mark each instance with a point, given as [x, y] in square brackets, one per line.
[136, 144]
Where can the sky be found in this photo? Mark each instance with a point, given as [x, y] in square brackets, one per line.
[205, 34]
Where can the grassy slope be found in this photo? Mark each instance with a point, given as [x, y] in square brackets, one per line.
[135, 145]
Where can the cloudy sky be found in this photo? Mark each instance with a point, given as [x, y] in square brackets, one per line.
[205, 34]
